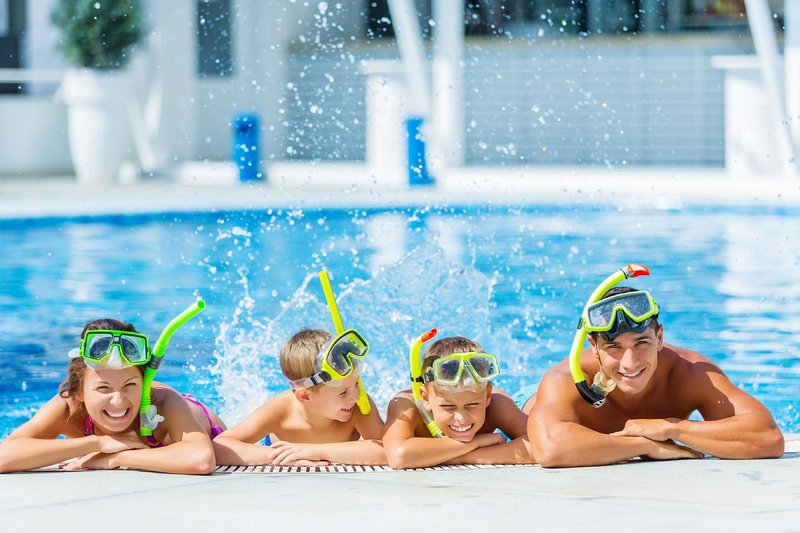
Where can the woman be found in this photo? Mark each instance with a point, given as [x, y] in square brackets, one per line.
[97, 407]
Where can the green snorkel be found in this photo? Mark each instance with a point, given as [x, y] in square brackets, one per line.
[596, 394]
[148, 415]
[363, 399]
[415, 364]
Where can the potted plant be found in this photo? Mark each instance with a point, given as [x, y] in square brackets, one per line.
[98, 39]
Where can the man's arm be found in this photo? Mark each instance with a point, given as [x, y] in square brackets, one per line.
[558, 439]
[735, 425]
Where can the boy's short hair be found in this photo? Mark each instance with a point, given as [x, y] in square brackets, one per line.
[299, 354]
[448, 346]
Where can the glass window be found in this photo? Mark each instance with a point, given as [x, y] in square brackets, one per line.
[214, 38]
[4, 16]
[600, 17]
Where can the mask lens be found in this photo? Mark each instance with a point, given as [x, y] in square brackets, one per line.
[134, 348]
[97, 346]
[339, 357]
[357, 345]
[485, 367]
[637, 305]
[447, 370]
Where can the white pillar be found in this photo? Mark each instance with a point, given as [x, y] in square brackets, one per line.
[165, 123]
[387, 108]
[766, 44]
[447, 139]
[415, 65]
[791, 67]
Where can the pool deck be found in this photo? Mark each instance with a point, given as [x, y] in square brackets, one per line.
[344, 185]
[699, 495]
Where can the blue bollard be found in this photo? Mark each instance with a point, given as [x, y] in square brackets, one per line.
[417, 169]
[245, 147]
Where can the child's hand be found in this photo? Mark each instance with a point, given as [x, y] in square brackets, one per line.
[489, 439]
[284, 453]
[118, 443]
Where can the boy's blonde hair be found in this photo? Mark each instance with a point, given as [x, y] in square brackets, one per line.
[449, 346]
[300, 352]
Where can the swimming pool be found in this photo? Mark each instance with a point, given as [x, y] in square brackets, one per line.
[513, 278]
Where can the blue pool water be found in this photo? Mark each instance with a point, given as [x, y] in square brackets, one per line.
[515, 279]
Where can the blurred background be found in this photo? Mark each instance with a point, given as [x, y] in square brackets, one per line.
[495, 82]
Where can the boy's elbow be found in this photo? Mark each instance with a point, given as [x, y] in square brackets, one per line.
[378, 457]
[398, 458]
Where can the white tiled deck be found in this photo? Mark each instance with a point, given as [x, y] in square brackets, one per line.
[701, 495]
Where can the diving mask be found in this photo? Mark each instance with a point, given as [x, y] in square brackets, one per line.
[112, 349]
[450, 369]
[621, 313]
[336, 359]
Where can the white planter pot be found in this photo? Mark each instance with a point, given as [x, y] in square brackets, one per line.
[99, 131]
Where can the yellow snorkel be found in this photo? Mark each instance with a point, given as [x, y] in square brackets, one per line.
[596, 394]
[415, 364]
[363, 399]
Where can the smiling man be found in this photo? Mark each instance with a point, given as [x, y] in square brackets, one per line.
[650, 389]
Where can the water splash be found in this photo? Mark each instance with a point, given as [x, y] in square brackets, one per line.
[390, 308]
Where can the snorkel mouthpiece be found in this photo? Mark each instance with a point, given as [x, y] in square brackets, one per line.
[148, 416]
[596, 393]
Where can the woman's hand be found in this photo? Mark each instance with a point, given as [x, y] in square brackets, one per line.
[92, 461]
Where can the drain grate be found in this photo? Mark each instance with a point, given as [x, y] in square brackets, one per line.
[341, 469]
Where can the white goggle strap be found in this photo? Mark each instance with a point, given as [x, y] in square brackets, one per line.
[316, 379]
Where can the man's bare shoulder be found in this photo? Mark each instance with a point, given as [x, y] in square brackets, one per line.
[685, 363]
